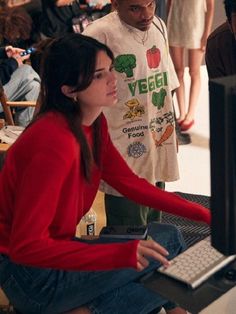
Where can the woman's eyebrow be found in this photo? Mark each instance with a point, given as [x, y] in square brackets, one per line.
[99, 70]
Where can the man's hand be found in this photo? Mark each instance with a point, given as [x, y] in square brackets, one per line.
[151, 249]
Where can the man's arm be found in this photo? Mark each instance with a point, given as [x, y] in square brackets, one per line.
[211, 63]
[7, 67]
[3, 54]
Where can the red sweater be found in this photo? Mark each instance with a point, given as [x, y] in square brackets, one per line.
[43, 196]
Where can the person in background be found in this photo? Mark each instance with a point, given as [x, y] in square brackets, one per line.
[161, 9]
[16, 28]
[60, 17]
[221, 45]
[182, 137]
[189, 24]
[57, 17]
[34, 10]
[45, 193]
[142, 126]
[19, 80]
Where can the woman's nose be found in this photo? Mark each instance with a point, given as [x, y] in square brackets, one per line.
[112, 78]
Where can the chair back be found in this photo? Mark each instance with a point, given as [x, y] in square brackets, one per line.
[6, 108]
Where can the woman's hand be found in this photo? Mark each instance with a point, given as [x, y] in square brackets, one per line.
[13, 52]
[151, 249]
[203, 42]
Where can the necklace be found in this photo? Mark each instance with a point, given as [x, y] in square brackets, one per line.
[137, 37]
[136, 34]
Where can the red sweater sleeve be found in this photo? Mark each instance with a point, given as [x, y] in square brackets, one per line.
[117, 173]
[42, 226]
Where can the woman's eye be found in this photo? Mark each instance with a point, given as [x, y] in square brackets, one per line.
[97, 76]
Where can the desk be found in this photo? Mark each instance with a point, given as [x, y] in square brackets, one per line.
[4, 147]
[215, 296]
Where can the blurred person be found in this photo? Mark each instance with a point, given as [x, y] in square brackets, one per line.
[189, 24]
[161, 9]
[16, 28]
[59, 16]
[221, 45]
[19, 80]
[33, 8]
[45, 193]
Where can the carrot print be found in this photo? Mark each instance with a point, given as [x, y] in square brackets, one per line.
[168, 132]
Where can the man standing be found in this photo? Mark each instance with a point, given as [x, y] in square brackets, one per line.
[221, 45]
[142, 125]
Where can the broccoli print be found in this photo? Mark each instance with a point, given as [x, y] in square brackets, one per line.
[125, 64]
[158, 99]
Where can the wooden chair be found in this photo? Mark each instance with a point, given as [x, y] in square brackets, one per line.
[8, 106]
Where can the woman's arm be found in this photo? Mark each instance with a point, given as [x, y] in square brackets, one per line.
[117, 173]
[208, 22]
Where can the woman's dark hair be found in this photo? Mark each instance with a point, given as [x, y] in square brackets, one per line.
[36, 57]
[71, 60]
[230, 7]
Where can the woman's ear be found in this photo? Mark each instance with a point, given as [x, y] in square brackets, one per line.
[68, 91]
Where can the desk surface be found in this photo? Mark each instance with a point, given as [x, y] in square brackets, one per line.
[4, 147]
[193, 300]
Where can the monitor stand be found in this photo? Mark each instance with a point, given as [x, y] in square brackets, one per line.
[219, 288]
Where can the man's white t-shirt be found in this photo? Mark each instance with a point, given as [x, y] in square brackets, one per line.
[141, 124]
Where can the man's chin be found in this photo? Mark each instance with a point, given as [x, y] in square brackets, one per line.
[144, 26]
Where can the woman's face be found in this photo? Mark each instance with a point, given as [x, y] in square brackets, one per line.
[102, 92]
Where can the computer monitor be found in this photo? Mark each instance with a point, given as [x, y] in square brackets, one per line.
[223, 163]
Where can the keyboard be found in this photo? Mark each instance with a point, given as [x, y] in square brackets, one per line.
[196, 264]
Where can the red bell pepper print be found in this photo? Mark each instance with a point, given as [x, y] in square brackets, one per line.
[153, 57]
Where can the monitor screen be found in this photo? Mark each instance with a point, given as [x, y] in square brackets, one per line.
[223, 163]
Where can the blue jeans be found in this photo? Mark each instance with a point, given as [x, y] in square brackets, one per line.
[23, 85]
[33, 290]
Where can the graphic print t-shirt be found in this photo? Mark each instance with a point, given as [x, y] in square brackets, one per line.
[141, 124]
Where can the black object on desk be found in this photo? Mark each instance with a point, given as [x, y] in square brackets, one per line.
[193, 300]
[192, 231]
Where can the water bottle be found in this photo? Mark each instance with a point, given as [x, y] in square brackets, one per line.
[88, 223]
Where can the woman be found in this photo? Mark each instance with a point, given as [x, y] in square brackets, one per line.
[49, 181]
[189, 24]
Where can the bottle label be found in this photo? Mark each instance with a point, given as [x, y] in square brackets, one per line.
[91, 229]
